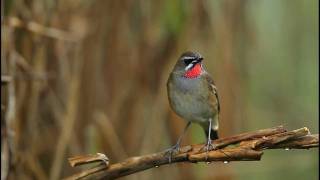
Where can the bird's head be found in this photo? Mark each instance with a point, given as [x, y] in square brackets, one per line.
[189, 64]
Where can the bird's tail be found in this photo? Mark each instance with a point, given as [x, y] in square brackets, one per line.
[213, 134]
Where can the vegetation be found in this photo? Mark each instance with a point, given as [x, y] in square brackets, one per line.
[81, 77]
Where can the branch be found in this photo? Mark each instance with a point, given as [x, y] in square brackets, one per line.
[243, 147]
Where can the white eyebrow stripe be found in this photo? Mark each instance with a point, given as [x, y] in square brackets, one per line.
[188, 57]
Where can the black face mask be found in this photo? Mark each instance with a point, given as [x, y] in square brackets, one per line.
[188, 61]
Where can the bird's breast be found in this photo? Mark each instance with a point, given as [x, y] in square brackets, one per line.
[189, 98]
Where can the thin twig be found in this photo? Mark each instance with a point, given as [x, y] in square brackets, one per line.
[5, 79]
[40, 29]
[244, 147]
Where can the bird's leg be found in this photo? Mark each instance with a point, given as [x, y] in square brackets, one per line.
[174, 149]
[208, 146]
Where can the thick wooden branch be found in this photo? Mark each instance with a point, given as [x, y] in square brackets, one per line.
[243, 147]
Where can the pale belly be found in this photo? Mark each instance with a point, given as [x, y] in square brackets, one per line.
[191, 109]
[190, 102]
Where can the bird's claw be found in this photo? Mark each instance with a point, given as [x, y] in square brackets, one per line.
[208, 147]
[172, 151]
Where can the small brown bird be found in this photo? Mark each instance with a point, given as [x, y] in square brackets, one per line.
[193, 96]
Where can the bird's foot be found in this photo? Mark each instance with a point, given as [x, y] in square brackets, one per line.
[208, 147]
[172, 151]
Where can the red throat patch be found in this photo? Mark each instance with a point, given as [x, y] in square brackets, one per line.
[194, 72]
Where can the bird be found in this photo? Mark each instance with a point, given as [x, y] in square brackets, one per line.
[194, 97]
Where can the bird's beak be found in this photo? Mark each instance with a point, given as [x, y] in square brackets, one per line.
[199, 59]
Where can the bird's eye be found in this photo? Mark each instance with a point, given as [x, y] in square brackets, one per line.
[188, 60]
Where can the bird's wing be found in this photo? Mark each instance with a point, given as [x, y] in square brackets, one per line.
[213, 89]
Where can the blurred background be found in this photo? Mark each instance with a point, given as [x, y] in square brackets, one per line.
[81, 77]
